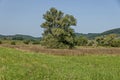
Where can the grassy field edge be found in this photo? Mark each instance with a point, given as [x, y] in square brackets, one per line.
[20, 65]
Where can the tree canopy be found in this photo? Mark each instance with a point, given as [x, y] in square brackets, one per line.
[57, 30]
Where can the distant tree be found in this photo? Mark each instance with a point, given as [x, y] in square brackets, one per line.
[81, 41]
[116, 43]
[108, 40]
[17, 38]
[91, 43]
[5, 38]
[26, 41]
[13, 43]
[100, 41]
[36, 42]
[57, 30]
[0, 42]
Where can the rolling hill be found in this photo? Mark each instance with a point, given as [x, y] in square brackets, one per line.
[19, 37]
[112, 31]
[93, 35]
[89, 35]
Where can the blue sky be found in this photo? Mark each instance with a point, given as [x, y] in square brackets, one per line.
[25, 16]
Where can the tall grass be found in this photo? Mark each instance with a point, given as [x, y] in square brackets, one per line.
[20, 65]
[77, 51]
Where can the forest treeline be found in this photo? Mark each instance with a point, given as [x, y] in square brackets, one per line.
[89, 35]
[107, 38]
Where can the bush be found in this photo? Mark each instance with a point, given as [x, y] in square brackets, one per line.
[0, 42]
[36, 42]
[13, 43]
[91, 43]
[51, 42]
[26, 41]
[116, 43]
[81, 41]
[110, 40]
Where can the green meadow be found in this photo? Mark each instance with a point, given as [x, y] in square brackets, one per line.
[21, 65]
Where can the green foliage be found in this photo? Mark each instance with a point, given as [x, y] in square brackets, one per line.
[90, 36]
[5, 38]
[108, 40]
[81, 41]
[51, 42]
[112, 31]
[91, 43]
[94, 35]
[36, 42]
[57, 31]
[116, 43]
[26, 41]
[17, 38]
[19, 65]
[100, 41]
[13, 43]
[0, 42]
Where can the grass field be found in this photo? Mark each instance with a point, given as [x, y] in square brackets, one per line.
[20, 65]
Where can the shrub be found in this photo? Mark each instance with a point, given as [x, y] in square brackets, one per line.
[0, 42]
[81, 41]
[91, 43]
[51, 42]
[13, 43]
[36, 42]
[116, 43]
[26, 41]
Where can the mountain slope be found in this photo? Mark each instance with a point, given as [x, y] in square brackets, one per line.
[19, 37]
[93, 35]
[89, 35]
[112, 31]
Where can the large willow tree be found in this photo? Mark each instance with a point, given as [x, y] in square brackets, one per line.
[57, 30]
